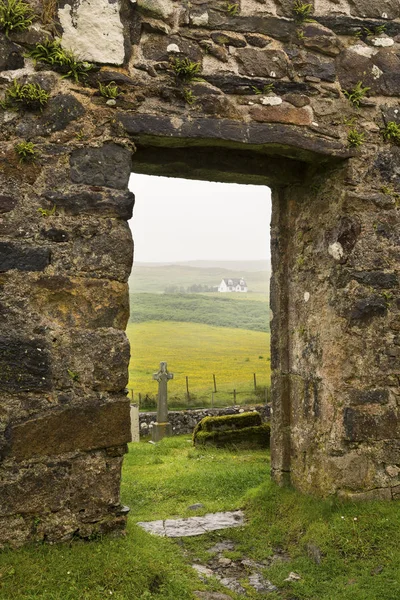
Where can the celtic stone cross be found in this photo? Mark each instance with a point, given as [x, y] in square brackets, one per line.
[162, 427]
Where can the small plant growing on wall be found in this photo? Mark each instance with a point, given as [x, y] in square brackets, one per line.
[109, 91]
[188, 96]
[355, 138]
[47, 212]
[26, 151]
[63, 61]
[30, 96]
[356, 94]
[302, 12]
[232, 8]
[391, 133]
[185, 70]
[15, 16]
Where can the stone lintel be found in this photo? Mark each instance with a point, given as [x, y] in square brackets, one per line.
[287, 140]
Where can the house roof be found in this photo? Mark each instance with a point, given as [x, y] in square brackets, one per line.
[235, 281]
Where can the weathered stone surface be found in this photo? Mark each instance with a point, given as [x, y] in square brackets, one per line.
[11, 55]
[93, 30]
[99, 201]
[262, 63]
[78, 359]
[376, 279]
[71, 429]
[161, 48]
[23, 257]
[162, 9]
[108, 166]
[223, 129]
[25, 364]
[284, 113]
[81, 302]
[59, 112]
[7, 203]
[308, 64]
[258, 40]
[194, 525]
[362, 426]
[374, 396]
[366, 309]
[321, 39]
[225, 38]
[375, 9]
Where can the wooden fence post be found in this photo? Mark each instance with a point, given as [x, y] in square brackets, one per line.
[215, 383]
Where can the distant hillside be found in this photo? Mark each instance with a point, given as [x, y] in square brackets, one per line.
[155, 277]
[220, 310]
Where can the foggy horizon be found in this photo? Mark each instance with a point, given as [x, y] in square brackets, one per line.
[181, 220]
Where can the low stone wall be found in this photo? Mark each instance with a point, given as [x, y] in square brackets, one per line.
[184, 421]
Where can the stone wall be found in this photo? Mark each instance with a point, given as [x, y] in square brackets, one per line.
[184, 421]
[270, 108]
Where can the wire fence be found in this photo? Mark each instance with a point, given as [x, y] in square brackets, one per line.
[213, 397]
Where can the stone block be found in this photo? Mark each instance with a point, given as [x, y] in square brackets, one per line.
[80, 302]
[11, 55]
[109, 166]
[24, 364]
[7, 203]
[362, 426]
[23, 257]
[57, 115]
[320, 38]
[98, 201]
[376, 279]
[96, 358]
[366, 309]
[374, 396]
[283, 113]
[159, 48]
[71, 429]
[262, 63]
[93, 30]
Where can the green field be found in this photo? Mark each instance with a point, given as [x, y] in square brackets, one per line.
[155, 278]
[198, 351]
[220, 310]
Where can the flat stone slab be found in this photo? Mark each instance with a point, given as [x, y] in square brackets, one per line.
[194, 525]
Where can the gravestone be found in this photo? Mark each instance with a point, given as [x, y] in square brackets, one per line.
[135, 423]
[162, 427]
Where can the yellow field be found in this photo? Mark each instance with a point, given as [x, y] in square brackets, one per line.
[197, 351]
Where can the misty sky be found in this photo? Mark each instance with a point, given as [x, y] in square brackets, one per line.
[176, 220]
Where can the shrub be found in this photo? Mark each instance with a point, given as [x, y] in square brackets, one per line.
[61, 60]
[15, 15]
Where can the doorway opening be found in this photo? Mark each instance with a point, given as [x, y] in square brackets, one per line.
[199, 292]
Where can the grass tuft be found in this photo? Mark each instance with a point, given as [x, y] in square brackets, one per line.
[15, 16]
[51, 53]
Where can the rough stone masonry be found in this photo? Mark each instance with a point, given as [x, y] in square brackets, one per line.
[256, 91]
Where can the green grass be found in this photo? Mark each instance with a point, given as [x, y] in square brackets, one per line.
[198, 351]
[358, 544]
[221, 311]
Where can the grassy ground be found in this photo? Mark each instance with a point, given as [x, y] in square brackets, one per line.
[341, 551]
[198, 351]
[221, 311]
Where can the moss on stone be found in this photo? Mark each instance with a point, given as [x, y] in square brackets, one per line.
[246, 437]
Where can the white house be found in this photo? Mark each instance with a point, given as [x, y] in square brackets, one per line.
[233, 285]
